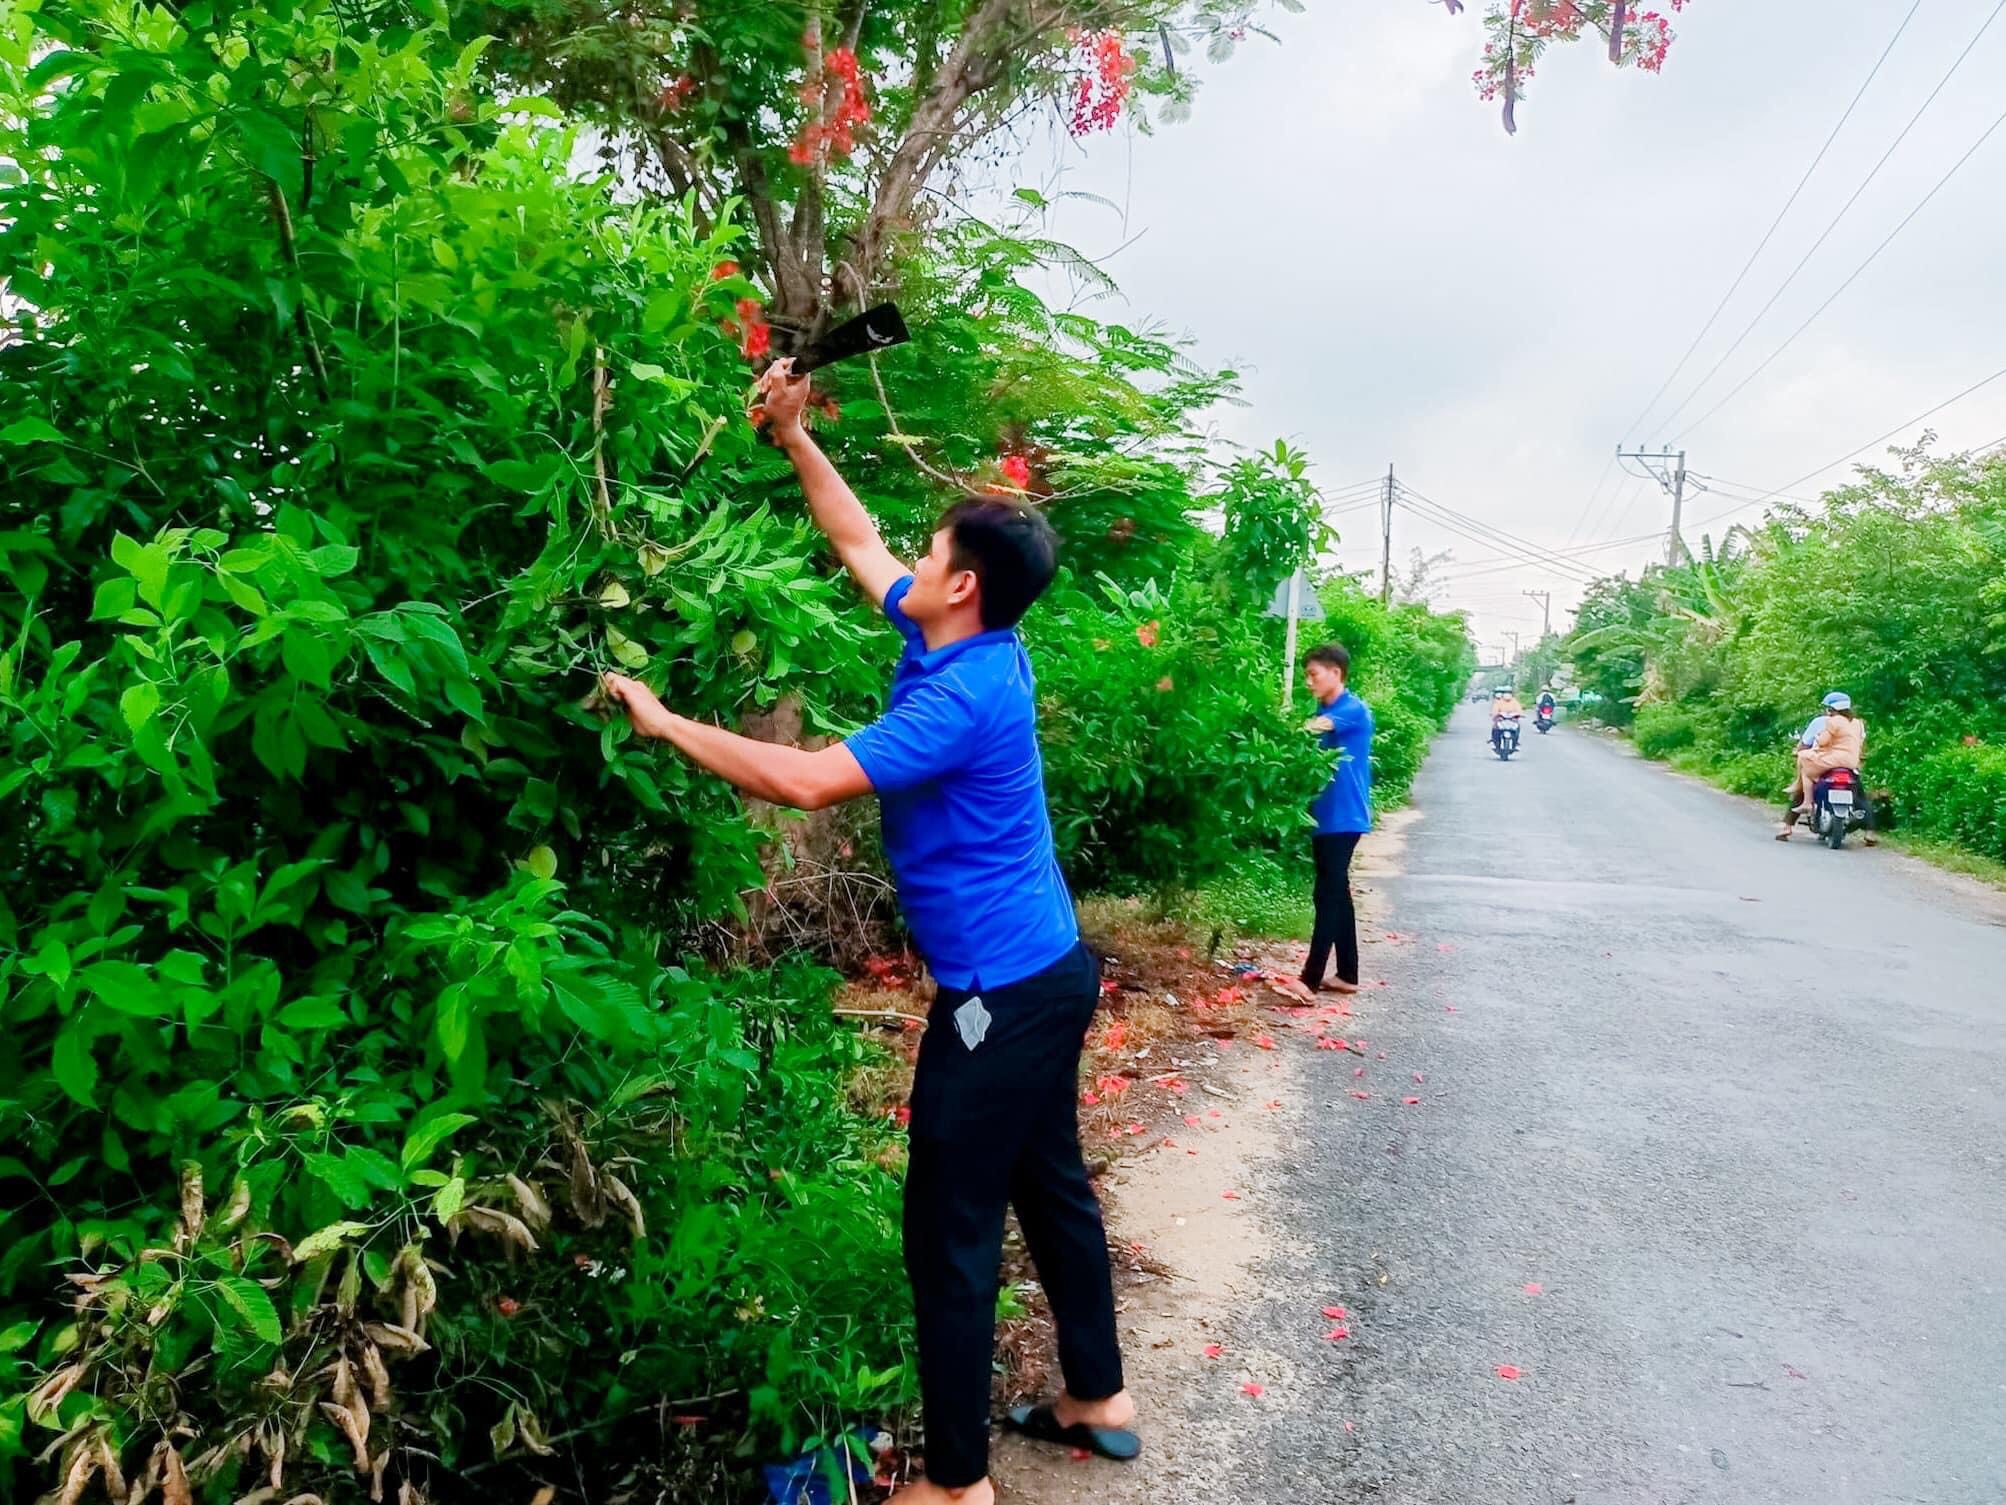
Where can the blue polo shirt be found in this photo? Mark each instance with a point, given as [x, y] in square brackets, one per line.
[1346, 802]
[961, 788]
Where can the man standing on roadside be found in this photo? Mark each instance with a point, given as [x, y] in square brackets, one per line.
[954, 762]
[1342, 812]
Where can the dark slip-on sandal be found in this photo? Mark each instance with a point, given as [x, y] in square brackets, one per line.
[1040, 1424]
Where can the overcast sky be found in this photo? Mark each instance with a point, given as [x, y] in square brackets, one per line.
[1399, 281]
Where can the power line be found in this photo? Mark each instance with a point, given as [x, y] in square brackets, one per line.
[1844, 210]
[1461, 522]
[1636, 424]
[1600, 481]
[1872, 256]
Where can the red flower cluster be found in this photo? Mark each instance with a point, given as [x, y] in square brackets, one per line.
[820, 141]
[677, 93]
[755, 337]
[723, 270]
[1017, 471]
[1651, 36]
[1147, 634]
[1104, 82]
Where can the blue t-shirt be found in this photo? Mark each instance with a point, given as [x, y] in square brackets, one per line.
[1346, 802]
[961, 789]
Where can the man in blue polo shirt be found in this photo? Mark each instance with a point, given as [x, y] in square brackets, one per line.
[954, 762]
[1343, 814]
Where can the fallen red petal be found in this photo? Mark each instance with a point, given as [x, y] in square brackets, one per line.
[1336, 1313]
[1230, 1196]
[1507, 1371]
[1080, 1455]
[1213, 1350]
[1532, 1288]
[1410, 1101]
[1250, 1388]
[1419, 1078]
[1358, 1071]
[1361, 1096]
[1337, 1334]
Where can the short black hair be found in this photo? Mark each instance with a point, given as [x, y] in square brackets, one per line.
[1010, 548]
[1336, 655]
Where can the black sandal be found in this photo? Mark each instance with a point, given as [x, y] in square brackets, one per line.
[1041, 1424]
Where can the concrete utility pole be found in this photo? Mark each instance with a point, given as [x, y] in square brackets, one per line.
[1673, 483]
[1386, 543]
[1514, 647]
[1545, 600]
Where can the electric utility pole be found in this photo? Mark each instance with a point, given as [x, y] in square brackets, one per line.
[1545, 600]
[1669, 471]
[1386, 543]
[1514, 647]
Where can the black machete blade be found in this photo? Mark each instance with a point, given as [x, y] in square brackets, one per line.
[878, 328]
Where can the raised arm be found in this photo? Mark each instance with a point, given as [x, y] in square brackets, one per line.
[835, 507]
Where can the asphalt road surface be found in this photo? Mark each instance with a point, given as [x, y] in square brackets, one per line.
[1736, 1110]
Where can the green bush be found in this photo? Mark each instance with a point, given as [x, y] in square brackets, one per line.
[1958, 794]
[1663, 729]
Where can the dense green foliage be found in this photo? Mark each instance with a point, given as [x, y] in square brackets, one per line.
[370, 1107]
[1894, 591]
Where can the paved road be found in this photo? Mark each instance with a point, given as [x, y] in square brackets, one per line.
[1739, 1109]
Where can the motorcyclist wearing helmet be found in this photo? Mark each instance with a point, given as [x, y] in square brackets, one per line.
[1837, 739]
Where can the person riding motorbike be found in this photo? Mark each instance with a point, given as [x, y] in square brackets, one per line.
[1546, 701]
[1837, 739]
[1504, 704]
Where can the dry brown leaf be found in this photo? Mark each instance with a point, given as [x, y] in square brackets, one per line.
[531, 1432]
[114, 1476]
[504, 1225]
[78, 1473]
[45, 1397]
[535, 1210]
[544, 1495]
[194, 1211]
[394, 1339]
[618, 1193]
[358, 1439]
[144, 1485]
[410, 1494]
[233, 1212]
[275, 1456]
[374, 1372]
[376, 1466]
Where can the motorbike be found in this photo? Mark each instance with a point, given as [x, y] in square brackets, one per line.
[1542, 720]
[1838, 806]
[1504, 737]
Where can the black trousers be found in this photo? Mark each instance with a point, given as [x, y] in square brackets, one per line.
[1336, 920]
[995, 1123]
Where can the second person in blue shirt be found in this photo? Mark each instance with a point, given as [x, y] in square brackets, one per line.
[1342, 813]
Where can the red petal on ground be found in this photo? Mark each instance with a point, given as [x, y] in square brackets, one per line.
[1443, 946]
[1532, 1288]
[1214, 1113]
[1273, 1105]
[1419, 1078]
[1347, 1426]
[1230, 1196]
[1795, 1374]
[1508, 1371]
[1336, 1313]
[1266, 1042]
[1382, 1055]
[1410, 1101]
[1250, 1388]
[1080, 1455]
[1449, 1008]
[1213, 1350]
[1192, 1120]
[1337, 1335]
[1361, 1096]
[1190, 1152]
[1358, 1071]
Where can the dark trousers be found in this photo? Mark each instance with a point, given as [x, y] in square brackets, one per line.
[1336, 920]
[995, 1124]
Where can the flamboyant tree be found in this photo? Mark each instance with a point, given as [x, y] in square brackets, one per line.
[826, 122]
